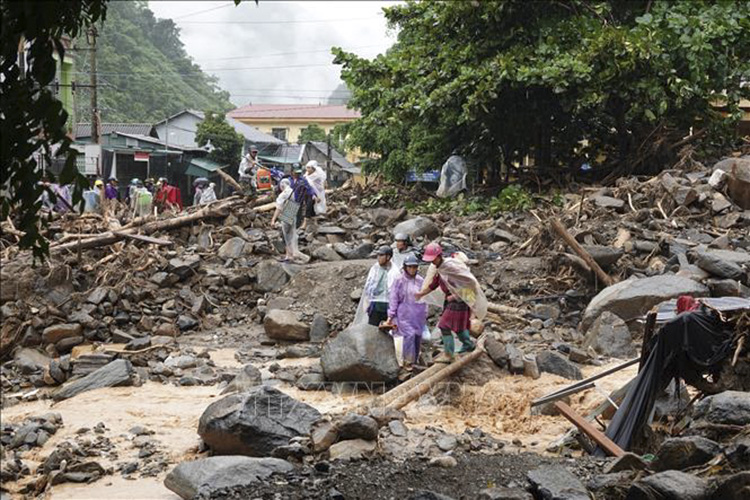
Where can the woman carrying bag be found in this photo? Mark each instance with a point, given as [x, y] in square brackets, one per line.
[286, 213]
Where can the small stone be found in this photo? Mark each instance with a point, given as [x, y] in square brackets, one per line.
[447, 442]
[397, 428]
[185, 322]
[445, 461]
[552, 362]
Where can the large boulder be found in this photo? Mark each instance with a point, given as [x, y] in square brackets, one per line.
[353, 426]
[272, 276]
[255, 422]
[557, 364]
[728, 407]
[419, 226]
[669, 485]
[555, 482]
[738, 179]
[206, 476]
[233, 248]
[610, 336]
[683, 452]
[632, 298]
[361, 353]
[284, 325]
[118, 372]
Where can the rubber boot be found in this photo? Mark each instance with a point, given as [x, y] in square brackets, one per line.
[467, 344]
[449, 348]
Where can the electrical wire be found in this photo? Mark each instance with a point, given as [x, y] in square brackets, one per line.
[292, 21]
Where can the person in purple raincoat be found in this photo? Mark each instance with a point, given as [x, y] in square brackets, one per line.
[404, 312]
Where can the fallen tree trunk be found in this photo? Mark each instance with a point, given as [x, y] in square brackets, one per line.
[218, 210]
[228, 178]
[582, 253]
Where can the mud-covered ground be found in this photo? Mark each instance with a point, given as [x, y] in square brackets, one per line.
[386, 480]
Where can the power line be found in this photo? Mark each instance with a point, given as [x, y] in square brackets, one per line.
[134, 73]
[203, 11]
[328, 50]
[300, 21]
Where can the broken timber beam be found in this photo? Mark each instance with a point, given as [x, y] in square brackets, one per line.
[607, 444]
[228, 178]
[400, 389]
[143, 238]
[582, 253]
[424, 386]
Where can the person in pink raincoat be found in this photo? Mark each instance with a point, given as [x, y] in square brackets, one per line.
[408, 316]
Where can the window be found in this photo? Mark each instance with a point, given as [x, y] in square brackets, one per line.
[279, 133]
[131, 143]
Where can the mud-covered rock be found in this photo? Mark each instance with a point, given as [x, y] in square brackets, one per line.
[361, 353]
[284, 325]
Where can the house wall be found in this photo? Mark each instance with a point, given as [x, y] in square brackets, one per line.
[181, 130]
[293, 127]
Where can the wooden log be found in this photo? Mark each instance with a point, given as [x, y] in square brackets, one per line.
[405, 387]
[607, 444]
[582, 253]
[507, 310]
[229, 179]
[267, 207]
[143, 238]
[218, 210]
[425, 386]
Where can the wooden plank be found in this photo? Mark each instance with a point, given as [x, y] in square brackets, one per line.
[582, 253]
[607, 444]
[143, 238]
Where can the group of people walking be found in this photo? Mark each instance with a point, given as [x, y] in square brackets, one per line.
[396, 298]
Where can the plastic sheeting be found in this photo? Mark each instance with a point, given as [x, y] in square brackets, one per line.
[461, 283]
[317, 181]
[361, 316]
[142, 201]
[452, 177]
[689, 346]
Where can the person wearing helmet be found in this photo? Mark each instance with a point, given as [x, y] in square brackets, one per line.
[301, 190]
[401, 249]
[377, 287]
[405, 314]
[463, 297]
[248, 171]
[111, 192]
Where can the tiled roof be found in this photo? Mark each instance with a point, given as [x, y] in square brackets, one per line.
[294, 111]
[252, 134]
[84, 129]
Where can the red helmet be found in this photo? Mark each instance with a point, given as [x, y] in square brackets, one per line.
[431, 252]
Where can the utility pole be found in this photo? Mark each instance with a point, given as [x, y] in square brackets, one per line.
[95, 136]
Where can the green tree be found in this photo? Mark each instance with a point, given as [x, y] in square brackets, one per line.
[561, 81]
[226, 142]
[312, 132]
[31, 119]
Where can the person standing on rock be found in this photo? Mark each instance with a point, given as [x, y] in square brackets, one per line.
[408, 316]
[286, 213]
[463, 296]
[301, 190]
[373, 306]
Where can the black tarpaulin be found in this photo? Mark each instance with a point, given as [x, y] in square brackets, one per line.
[687, 347]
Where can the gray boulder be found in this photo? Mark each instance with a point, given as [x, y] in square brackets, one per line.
[361, 251]
[351, 449]
[118, 372]
[683, 452]
[632, 298]
[361, 353]
[185, 266]
[669, 485]
[353, 426]
[417, 227]
[204, 477]
[728, 407]
[717, 266]
[30, 360]
[319, 328]
[504, 494]
[248, 378]
[734, 487]
[233, 248]
[557, 364]
[496, 351]
[610, 336]
[383, 217]
[254, 422]
[284, 325]
[555, 482]
[603, 255]
[272, 276]
[608, 202]
[327, 253]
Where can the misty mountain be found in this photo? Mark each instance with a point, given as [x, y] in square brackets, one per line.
[144, 71]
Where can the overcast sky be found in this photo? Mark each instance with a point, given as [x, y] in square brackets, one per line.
[288, 56]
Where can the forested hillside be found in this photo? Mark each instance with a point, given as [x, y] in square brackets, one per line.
[144, 70]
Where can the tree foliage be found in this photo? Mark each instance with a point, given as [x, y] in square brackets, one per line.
[312, 132]
[31, 119]
[614, 83]
[143, 68]
[227, 143]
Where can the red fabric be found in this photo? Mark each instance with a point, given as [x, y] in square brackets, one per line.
[174, 196]
[456, 315]
[686, 303]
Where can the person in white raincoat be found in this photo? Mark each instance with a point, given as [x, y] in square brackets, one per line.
[316, 177]
[373, 305]
[208, 194]
[288, 220]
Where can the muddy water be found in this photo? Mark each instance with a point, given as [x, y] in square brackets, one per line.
[500, 407]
